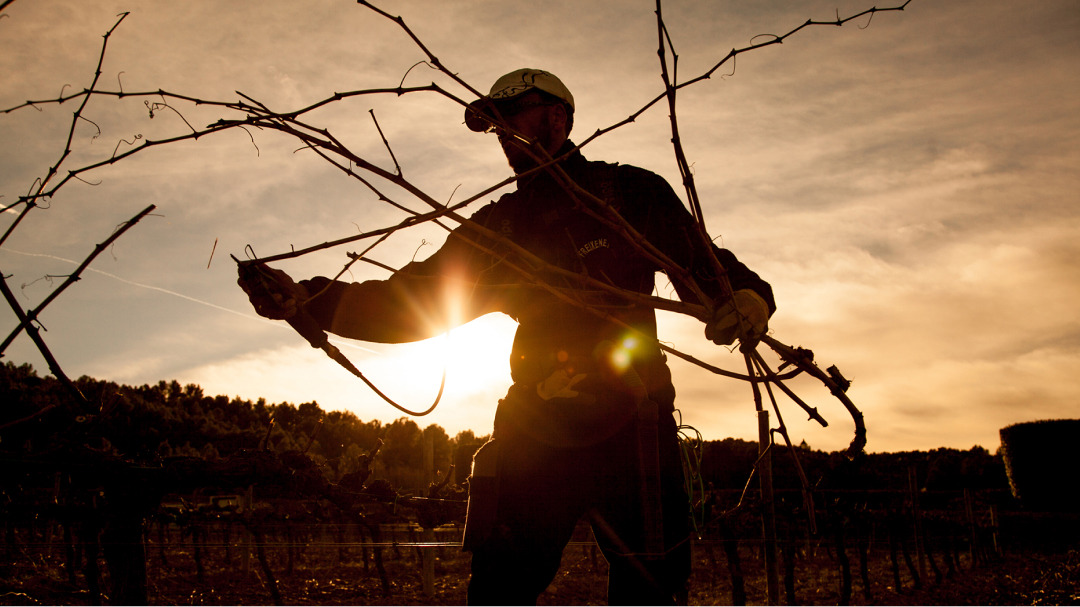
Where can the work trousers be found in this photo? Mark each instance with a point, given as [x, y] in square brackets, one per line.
[543, 491]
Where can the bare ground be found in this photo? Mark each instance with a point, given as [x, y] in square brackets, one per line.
[320, 578]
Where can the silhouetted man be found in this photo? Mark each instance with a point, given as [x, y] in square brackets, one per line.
[587, 428]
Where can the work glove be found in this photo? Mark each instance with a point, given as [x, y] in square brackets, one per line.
[559, 385]
[744, 317]
[272, 293]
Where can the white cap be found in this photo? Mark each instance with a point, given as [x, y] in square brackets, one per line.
[512, 85]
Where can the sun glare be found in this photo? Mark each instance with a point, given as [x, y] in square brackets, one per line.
[476, 358]
[475, 355]
[478, 353]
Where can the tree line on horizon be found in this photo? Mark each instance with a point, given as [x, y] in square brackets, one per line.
[153, 422]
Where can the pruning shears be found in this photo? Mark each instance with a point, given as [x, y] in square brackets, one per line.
[264, 284]
[260, 283]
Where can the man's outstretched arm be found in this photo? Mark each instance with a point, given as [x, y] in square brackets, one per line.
[421, 300]
[406, 307]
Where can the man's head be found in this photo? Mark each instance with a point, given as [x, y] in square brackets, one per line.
[532, 102]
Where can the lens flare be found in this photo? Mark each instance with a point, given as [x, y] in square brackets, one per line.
[620, 358]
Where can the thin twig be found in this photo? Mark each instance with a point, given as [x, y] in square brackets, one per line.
[397, 166]
[71, 131]
[28, 318]
[767, 372]
[32, 331]
[431, 57]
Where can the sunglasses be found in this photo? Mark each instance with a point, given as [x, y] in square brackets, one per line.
[509, 110]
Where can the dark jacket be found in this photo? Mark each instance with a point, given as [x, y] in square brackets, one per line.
[460, 282]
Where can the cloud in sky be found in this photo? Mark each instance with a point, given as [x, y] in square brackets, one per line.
[909, 189]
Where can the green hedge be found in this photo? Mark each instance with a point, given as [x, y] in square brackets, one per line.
[1042, 460]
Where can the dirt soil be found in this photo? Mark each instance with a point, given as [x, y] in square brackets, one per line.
[325, 576]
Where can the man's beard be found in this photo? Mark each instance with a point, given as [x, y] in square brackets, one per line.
[519, 158]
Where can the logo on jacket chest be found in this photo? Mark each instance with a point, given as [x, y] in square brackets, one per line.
[592, 245]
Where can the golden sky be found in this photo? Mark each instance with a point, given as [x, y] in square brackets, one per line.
[908, 185]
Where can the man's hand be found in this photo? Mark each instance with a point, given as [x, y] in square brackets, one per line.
[745, 317]
[272, 292]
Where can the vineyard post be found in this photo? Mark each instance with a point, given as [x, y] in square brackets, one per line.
[50, 522]
[768, 505]
[226, 539]
[972, 532]
[428, 551]
[916, 519]
[429, 562]
[835, 511]
[69, 552]
[90, 531]
[768, 515]
[245, 550]
[994, 517]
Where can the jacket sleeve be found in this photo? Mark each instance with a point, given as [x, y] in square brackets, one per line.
[670, 227]
[419, 301]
